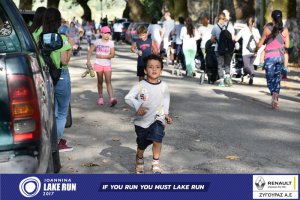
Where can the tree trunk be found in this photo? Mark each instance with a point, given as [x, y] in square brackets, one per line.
[25, 5]
[87, 13]
[244, 9]
[53, 4]
[137, 11]
[177, 8]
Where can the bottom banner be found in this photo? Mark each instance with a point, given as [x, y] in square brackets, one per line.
[152, 187]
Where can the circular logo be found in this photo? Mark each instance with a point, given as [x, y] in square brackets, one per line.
[29, 187]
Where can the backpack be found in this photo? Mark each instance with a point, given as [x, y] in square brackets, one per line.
[225, 43]
[251, 45]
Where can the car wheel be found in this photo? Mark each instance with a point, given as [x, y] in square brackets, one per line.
[69, 118]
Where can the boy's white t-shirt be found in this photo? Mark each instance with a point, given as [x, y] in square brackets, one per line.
[103, 48]
[154, 30]
[155, 98]
[245, 33]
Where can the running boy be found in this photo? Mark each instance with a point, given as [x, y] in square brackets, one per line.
[105, 51]
[151, 99]
[145, 46]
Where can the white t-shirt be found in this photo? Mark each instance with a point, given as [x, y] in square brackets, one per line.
[189, 42]
[103, 48]
[154, 30]
[155, 98]
[205, 34]
[245, 33]
[118, 27]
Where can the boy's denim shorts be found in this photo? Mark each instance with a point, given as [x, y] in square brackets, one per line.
[145, 136]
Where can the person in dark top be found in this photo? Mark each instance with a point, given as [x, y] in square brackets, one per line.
[144, 47]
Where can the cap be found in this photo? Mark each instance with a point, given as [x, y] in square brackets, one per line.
[276, 14]
[105, 29]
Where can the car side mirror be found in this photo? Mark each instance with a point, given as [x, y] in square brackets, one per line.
[51, 41]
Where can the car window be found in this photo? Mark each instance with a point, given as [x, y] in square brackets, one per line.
[8, 40]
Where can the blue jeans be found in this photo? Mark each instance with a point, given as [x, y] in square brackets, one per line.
[273, 72]
[62, 100]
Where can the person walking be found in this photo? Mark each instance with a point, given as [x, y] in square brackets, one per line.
[223, 52]
[143, 46]
[61, 58]
[250, 37]
[276, 38]
[168, 27]
[105, 51]
[155, 31]
[151, 99]
[189, 36]
[204, 32]
[36, 27]
[179, 54]
[117, 28]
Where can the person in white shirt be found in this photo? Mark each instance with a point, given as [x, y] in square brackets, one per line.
[118, 26]
[150, 98]
[155, 31]
[250, 37]
[189, 36]
[205, 32]
[177, 31]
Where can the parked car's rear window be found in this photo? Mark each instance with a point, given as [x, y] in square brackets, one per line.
[9, 42]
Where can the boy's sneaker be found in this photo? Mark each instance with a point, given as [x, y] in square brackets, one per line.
[113, 102]
[139, 166]
[221, 84]
[64, 147]
[100, 101]
[156, 167]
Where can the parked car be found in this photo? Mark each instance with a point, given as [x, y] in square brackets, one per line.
[131, 33]
[28, 139]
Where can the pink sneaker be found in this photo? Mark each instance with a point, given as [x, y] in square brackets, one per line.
[100, 101]
[113, 102]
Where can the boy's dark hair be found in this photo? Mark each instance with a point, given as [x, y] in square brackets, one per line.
[153, 57]
[141, 29]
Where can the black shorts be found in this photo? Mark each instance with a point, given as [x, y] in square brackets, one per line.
[140, 71]
[146, 136]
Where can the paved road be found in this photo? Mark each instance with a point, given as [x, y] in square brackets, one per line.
[215, 130]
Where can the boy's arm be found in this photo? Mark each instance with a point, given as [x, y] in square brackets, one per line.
[133, 47]
[155, 50]
[131, 100]
[167, 105]
[90, 52]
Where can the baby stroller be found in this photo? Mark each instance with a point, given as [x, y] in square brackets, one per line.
[237, 64]
[211, 63]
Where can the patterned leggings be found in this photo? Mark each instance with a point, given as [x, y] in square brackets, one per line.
[273, 73]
